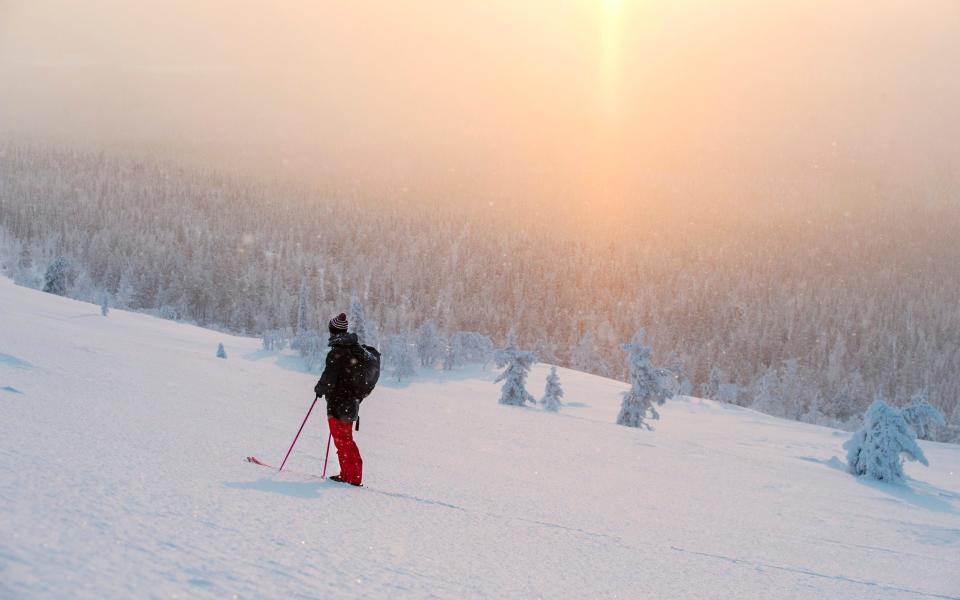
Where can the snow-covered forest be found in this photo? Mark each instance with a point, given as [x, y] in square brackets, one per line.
[801, 309]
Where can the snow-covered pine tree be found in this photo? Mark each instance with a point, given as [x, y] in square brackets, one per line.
[784, 391]
[545, 350]
[104, 304]
[675, 366]
[817, 414]
[849, 399]
[835, 373]
[875, 449]
[221, 351]
[452, 354]
[24, 272]
[429, 344]
[921, 416]
[274, 339]
[24, 261]
[711, 388]
[312, 348]
[796, 393]
[357, 321]
[719, 387]
[474, 347]
[764, 391]
[58, 277]
[728, 393]
[584, 357]
[302, 307]
[647, 386]
[553, 392]
[516, 365]
[404, 356]
[951, 433]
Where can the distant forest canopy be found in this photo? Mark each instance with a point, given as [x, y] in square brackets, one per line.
[806, 299]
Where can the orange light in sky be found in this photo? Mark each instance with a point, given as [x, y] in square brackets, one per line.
[601, 163]
[594, 107]
[610, 55]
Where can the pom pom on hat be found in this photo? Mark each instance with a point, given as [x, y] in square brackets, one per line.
[339, 322]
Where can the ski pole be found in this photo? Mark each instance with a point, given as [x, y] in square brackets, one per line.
[324, 476]
[298, 432]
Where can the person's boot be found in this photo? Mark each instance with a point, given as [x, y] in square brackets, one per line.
[339, 480]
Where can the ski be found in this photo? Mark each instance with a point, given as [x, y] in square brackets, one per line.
[257, 461]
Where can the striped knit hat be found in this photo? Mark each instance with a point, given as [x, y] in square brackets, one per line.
[339, 322]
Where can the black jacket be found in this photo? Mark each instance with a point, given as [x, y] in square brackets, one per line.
[336, 383]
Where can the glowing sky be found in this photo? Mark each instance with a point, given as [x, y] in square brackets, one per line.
[585, 101]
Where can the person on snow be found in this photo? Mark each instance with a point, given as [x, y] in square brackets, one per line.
[343, 402]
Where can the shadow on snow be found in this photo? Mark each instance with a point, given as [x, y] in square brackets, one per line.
[295, 489]
[912, 492]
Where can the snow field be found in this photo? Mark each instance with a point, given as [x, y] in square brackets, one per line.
[122, 475]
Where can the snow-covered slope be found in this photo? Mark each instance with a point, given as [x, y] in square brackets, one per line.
[122, 442]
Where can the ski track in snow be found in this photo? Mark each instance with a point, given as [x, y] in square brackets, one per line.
[748, 563]
[122, 475]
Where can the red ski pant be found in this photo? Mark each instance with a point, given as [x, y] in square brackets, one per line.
[351, 465]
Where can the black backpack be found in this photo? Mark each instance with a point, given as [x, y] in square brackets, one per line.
[368, 372]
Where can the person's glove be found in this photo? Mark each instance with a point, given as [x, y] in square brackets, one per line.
[318, 389]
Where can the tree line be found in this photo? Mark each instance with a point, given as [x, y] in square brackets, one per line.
[807, 310]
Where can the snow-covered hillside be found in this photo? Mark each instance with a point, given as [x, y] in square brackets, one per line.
[122, 474]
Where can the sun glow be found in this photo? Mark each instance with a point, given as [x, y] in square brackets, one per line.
[601, 160]
[610, 56]
[596, 107]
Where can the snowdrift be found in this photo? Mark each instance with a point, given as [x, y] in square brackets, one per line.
[123, 440]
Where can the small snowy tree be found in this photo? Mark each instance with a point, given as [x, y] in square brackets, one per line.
[647, 386]
[763, 391]
[25, 261]
[545, 351]
[274, 339]
[675, 366]
[58, 277]
[516, 364]
[875, 450]
[221, 352]
[302, 307]
[553, 392]
[850, 398]
[474, 347]
[312, 348]
[452, 354]
[429, 344]
[796, 392]
[785, 391]
[728, 393]
[357, 321]
[951, 433]
[711, 388]
[403, 355]
[922, 417]
[584, 357]
[817, 414]
[720, 388]
[104, 304]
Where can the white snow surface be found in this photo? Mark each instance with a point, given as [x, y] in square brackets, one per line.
[122, 475]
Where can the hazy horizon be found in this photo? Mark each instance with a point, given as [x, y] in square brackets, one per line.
[600, 105]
